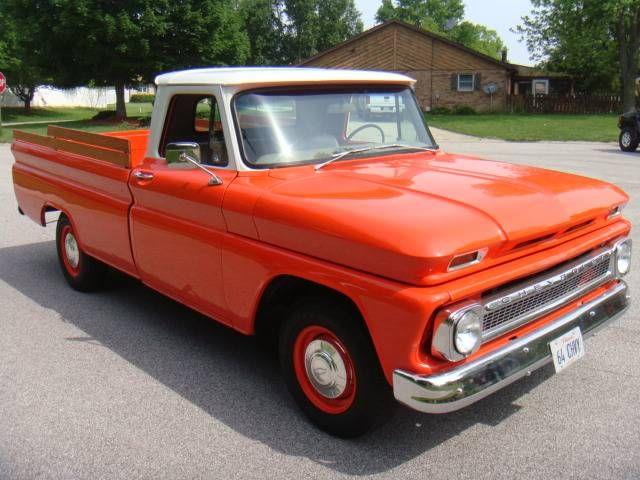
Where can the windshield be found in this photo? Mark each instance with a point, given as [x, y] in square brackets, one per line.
[280, 128]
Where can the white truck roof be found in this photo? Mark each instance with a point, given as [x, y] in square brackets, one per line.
[272, 76]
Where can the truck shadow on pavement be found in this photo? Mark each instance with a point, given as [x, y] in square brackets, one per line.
[227, 374]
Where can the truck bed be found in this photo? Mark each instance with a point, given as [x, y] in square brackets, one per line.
[84, 175]
[122, 148]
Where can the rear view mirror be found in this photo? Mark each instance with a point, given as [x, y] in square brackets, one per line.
[183, 152]
[189, 152]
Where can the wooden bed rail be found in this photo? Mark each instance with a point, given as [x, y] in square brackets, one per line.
[34, 138]
[99, 147]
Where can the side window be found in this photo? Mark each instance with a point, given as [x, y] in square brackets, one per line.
[196, 118]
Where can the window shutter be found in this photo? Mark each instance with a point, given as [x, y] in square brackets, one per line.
[478, 81]
[454, 81]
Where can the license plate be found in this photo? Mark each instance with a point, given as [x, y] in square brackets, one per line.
[567, 349]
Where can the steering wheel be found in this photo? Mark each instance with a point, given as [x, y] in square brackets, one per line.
[367, 125]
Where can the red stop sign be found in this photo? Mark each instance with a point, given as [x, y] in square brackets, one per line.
[3, 83]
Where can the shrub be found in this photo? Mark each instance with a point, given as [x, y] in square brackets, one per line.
[144, 121]
[464, 110]
[104, 115]
[142, 98]
[440, 111]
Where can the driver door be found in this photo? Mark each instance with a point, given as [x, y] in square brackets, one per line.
[176, 221]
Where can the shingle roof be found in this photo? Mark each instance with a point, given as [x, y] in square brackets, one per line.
[419, 30]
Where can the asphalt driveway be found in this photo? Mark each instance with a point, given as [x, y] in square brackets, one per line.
[128, 384]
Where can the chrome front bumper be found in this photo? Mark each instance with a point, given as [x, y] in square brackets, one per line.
[468, 383]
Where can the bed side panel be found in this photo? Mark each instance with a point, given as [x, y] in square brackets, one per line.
[94, 194]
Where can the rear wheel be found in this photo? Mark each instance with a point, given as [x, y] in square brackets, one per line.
[331, 369]
[629, 140]
[81, 271]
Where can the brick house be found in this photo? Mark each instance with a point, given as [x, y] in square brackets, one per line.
[448, 74]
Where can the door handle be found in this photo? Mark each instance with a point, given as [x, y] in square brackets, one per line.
[140, 175]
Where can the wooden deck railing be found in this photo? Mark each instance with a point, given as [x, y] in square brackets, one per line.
[574, 104]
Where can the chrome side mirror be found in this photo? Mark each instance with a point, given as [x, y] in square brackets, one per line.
[182, 152]
[189, 152]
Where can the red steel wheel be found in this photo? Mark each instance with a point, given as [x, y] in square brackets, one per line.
[69, 251]
[324, 369]
[82, 272]
[331, 368]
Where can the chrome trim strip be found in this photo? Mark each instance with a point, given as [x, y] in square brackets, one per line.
[538, 284]
[463, 385]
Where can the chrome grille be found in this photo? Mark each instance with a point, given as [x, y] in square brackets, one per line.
[543, 293]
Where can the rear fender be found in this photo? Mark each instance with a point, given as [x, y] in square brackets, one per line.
[50, 207]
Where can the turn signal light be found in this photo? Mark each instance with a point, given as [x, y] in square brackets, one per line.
[615, 211]
[466, 259]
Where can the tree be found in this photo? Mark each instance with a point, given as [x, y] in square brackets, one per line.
[264, 22]
[386, 11]
[627, 18]
[479, 38]
[19, 58]
[292, 30]
[4, 46]
[302, 28]
[125, 42]
[443, 17]
[338, 20]
[437, 16]
[129, 41]
[595, 40]
[200, 33]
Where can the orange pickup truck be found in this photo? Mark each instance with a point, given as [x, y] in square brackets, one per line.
[379, 265]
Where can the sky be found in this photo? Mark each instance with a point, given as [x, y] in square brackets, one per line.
[500, 15]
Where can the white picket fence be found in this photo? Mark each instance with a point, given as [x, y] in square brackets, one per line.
[72, 97]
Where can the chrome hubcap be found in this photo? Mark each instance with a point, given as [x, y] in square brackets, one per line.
[325, 368]
[71, 250]
[626, 139]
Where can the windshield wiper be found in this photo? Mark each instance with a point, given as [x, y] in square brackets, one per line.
[339, 155]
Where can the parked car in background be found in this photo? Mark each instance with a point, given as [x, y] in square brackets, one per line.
[376, 104]
[629, 125]
[380, 265]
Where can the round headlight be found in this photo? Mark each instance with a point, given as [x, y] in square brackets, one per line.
[623, 257]
[467, 336]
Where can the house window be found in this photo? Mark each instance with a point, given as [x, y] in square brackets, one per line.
[466, 82]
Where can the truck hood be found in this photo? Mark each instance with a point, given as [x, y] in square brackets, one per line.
[405, 216]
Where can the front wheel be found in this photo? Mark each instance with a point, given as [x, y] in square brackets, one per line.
[331, 369]
[82, 272]
[629, 140]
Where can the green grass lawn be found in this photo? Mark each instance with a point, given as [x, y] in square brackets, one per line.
[529, 127]
[6, 133]
[17, 114]
[80, 118]
[135, 109]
